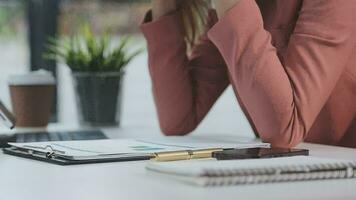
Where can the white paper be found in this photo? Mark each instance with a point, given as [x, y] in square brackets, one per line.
[126, 146]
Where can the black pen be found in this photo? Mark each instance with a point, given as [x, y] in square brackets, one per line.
[6, 117]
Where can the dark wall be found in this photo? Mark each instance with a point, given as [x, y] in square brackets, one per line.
[42, 23]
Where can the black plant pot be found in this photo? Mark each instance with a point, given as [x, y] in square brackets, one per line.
[98, 97]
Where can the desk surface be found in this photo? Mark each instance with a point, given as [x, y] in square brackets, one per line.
[27, 179]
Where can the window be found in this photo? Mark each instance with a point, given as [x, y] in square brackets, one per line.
[13, 43]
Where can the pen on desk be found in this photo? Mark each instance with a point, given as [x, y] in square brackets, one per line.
[6, 117]
[184, 155]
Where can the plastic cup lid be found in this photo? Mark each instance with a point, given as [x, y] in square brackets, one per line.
[40, 77]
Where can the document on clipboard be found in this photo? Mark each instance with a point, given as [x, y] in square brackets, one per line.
[115, 150]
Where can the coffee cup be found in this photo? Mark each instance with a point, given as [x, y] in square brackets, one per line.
[32, 97]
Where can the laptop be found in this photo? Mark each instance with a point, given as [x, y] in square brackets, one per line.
[8, 119]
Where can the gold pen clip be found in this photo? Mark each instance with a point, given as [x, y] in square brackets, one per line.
[171, 156]
[204, 153]
[184, 155]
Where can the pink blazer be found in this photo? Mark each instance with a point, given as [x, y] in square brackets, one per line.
[292, 65]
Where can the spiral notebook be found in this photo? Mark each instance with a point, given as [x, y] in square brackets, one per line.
[255, 171]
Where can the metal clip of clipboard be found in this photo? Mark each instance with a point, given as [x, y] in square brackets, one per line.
[50, 154]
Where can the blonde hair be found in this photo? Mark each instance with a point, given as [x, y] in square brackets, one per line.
[194, 14]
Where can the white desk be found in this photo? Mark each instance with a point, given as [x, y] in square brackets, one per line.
[27, 179]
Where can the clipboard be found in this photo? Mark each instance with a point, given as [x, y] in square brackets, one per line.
[50, 158]
[116, 150]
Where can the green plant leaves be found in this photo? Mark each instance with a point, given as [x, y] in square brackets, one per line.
[87, 53]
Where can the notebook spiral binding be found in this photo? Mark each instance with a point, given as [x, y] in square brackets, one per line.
[278, 174]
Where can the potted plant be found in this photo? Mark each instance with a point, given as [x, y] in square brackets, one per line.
[97, 71]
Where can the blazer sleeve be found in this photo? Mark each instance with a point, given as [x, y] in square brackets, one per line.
[284, 100]
[184, 87]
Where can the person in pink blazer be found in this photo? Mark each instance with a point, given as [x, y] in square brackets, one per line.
[292, 65]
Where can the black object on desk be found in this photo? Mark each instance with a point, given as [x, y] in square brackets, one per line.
[251, 153]
[45, 136]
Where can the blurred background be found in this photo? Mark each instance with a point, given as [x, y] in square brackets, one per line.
[25, 26]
